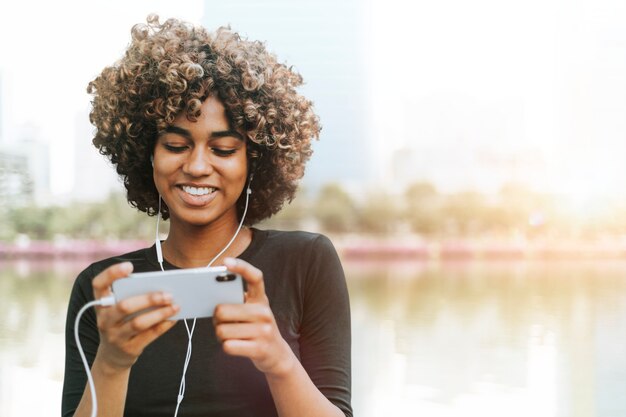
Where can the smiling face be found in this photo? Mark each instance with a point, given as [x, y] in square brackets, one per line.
[200, 167]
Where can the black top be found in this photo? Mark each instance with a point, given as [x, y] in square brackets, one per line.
[306, 288]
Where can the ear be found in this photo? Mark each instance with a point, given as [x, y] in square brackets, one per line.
[255, 153]
[251, 171]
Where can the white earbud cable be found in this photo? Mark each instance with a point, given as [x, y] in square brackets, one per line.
[105, 301]
[110, 300]
[182, 386]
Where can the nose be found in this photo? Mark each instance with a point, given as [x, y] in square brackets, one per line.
[198, 164]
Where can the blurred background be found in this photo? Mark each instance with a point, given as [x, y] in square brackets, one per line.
[471, 173]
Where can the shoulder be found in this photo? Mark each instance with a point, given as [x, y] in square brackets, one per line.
[293, 241]
[307, 252]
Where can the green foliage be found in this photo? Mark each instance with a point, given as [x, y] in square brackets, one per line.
[34, 221]
[378, 214]
[464, 213]
[335, 210]
[423, 206]
[426, 211]
[112, 218]
[291, 215]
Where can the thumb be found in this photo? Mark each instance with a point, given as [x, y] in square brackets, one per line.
[253, 276]
[102, 282]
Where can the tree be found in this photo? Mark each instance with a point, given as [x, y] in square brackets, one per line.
[335, 209]
[423, 208]
[291, 216]
[32, 221]
[466, 212]
[379, 214]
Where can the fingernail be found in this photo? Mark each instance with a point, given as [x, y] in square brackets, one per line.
[230, 262]
[167, 297]
[126, 267]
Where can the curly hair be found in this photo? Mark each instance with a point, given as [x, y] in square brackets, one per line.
[170, 68]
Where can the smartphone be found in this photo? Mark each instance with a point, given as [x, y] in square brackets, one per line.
[197, 291]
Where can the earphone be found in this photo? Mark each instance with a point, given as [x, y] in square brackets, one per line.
[104, 301]
[157, 243]
[110, 300]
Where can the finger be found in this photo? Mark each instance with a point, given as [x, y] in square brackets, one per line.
[238, 347]
[132, 305]
[145, 321]
[149, 335]
[253, 277]
[120, 313]
[227, 331]
[102, 282]
[229, 313]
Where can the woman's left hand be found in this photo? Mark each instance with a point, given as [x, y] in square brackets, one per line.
[250, 329]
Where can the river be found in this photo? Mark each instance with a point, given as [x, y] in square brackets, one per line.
[436, 339]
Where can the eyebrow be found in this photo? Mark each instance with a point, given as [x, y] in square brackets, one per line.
[214, 135]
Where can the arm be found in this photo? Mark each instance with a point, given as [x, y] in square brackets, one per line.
[251, 331]
[325, 330]
[111, 342]
[295, 394]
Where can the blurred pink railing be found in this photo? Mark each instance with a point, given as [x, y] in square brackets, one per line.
[359, 249]
[71, 249]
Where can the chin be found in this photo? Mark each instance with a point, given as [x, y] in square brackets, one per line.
[200, 219]
[197, 221]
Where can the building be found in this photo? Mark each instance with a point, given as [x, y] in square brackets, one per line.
[94, 177]
[323, 40]
[16, 184]
[25, 169]
[1, 108]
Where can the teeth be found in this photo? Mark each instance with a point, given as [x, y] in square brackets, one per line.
[198, 191]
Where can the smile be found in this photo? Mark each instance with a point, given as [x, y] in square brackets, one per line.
[198, 190]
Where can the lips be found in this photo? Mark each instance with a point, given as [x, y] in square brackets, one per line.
[196, 195]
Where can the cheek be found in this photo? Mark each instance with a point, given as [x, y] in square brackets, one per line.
[238, 169]
[161, 170]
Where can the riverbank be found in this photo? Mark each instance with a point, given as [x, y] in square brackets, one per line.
[355, 248]
[480, 249]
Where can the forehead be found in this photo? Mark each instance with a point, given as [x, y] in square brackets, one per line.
[212, 115]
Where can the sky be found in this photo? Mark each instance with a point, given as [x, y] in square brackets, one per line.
[70, 42]
[540, 83]
[467, 95]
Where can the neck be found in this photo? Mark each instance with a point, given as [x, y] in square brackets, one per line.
[189, 246]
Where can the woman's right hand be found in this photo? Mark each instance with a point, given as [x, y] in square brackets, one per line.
[122, 339]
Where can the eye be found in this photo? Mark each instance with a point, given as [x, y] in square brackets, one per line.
[223, 152]
[175, 148]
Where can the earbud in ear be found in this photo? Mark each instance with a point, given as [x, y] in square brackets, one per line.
[152, 160]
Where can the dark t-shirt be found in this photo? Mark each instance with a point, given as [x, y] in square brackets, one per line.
[306, 288]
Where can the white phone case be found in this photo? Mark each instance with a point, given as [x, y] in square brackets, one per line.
[197, 291]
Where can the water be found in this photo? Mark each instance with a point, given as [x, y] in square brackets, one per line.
[490, 339]
[430, 339]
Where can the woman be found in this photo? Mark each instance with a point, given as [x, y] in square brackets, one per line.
[191, 119]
